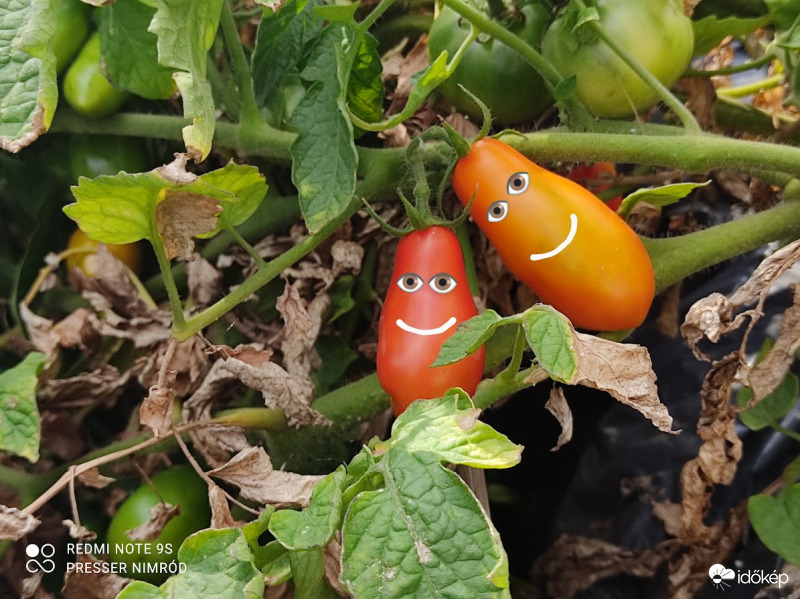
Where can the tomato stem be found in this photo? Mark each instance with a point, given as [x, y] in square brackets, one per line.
[251, 114]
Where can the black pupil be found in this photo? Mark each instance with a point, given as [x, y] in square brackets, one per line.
[497, 210]
[410, 281]
[517, 183]
[442, 283]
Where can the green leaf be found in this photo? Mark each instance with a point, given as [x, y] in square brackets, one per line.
[772, 408]
[448, 429]
[324, 154]
[365, 87]
[279, 44]
[252, 531]
[776, 521]
[783, 12]
[28, 87]
[336, 357]
[658, 196]
[711, 30]
[20, 429]
[130, 53]
[549, 335]
[337, 13]
[424, 535]
[243, 181]
[217, 561]
[315, 525]
[468, 337]
[308, 569]
[186, 30]
[341, 294]
[565, 88]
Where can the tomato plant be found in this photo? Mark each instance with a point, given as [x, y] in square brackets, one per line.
[654, 32]
[178, 486]
[428, 298]
[84, 251]
[557, 238]
[587, 171]
[72, 28]
[105, 155]
[86, 89]
[489, 68]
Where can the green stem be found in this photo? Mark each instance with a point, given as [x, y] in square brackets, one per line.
[174, 297]
[739, 68]
[222, 91]
[236, 236]
[786, 431]
[374, 15]
[552, 78]
[251, 115]
[675, 258]
[28, 486]
[492, 390]
[684, 114]
[749, 89]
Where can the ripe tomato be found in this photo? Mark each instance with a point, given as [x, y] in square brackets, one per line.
[129, 253]
[488, 67]
[177, 486]
[557, 238]
[655, 32]
[580, 173]
[426, 301]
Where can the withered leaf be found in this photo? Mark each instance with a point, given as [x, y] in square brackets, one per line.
[79, 532]
[715, 316]
[182, 215]
[160, 514]
[92, 478]
[280, 389]
[300, 333]
[104, 384]
[220, 512]
[347, 257]
[765, 376]
[204, 281]
[625, 372]
[14, 524]
[176, 171]
[156, 410]
[558, 407]
[251, 470]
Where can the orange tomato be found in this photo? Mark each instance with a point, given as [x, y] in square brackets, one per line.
[557, 237]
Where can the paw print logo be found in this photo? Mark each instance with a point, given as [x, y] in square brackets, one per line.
[719, 574]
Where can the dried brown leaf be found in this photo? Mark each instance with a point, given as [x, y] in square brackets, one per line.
[251, 470]
[765, 376]
[102, 385]
[558, 407]
[156, 410]
[91, 581]
[332, 556]
[573, 564]
[176, 171]
[204, 281]
[182, 215]
[220, 512]
[92, 478]
[62, 435]
[189, 362]
[40, 330]
[14, 524]
[300, 332]
[625, 372]
[216, 443]
[715, 316]
[79, 532]
[719, 454]
[347, 257]
[280, 389]
[160, 515]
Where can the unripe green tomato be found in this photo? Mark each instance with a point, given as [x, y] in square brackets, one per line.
[177, 486]
[655, 32]
[72, 27]
[85, 87]
[95, 155]
[510, 87]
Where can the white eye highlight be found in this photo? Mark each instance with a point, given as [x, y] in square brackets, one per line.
[410, 282]
[517, 183]
[442, 283]
[497, 211]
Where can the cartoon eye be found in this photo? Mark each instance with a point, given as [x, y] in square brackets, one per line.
[409, 282]
[517, 183]
[442, 283]
[497, 211]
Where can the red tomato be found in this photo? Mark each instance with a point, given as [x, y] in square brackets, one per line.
[428, 298]
[580, 173]
[557, 238]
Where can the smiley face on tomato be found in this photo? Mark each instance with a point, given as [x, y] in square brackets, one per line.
[427, 299]
[557, 238]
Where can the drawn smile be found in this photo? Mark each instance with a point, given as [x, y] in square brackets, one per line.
[437, 331]
[573, 228]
